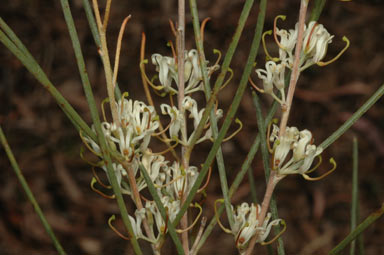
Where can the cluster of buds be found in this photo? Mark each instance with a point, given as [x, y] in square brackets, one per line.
[298, 144]
[315, 44]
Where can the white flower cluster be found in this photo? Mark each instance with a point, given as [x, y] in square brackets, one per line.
[129, 141]
[167, 68]
[315, 45]
[300, 143]
[177, 120]
[171, 183]
[246, 224]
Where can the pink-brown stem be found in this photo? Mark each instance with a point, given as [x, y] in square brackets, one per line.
[272, 182]
[137, 199]
[180, 71]
[286, 108]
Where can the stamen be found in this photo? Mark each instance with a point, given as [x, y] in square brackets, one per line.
[168, 149]
[112, 218]
[142, 69]
[278, 235]
[229, 79]
[97, 164]
[316, 166]
[194, 222]
[118, 49]
[162, 132]
[226, 230]
[345, 39]
[106, 100]
[255, 86]
[206, 183]
[98, 191]
[332, 161]
[283, 17]
[269, 32]
[99, 181]
[216, 51]
[236, 132]
[203, 27]
[169, 183]
[87, 145]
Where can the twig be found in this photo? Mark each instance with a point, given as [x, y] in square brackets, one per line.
[272, 182]
[198, 237]
[295, 69]
[180, 72]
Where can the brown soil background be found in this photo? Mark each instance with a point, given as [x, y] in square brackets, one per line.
[47, 146]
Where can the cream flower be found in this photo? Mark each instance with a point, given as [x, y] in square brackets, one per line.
[246, 225]
[300, 144]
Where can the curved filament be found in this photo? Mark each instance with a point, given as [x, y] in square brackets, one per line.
[99, 181]
[308, 178]
[203, 27]
[316, 166]
[229, 79]
[206, 183]
[98, 191]
[236, 132]
[269, 32]
[112, 218]
[194, 222]
[275, 30]
[142, 69]
[255, 86]
[87, 145]
[345, 39]
[278, 235]
[226, 230]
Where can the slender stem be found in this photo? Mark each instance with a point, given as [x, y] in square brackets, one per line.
[96, 121]
[162, 210]
[149, 97]
[95, 34]
[347, 124]
[13, 43]
[286, 108]
[273, 180]
[29, 193]
[137, 199]
[359, 230]
[180, 72]
[198, 236]
[231, 112]
[266, 157]
[355, 191]
[240, 175]
[106, 62]
[317, 9]
[213, 120]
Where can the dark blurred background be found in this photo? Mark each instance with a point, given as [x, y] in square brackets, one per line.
[47, 146]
